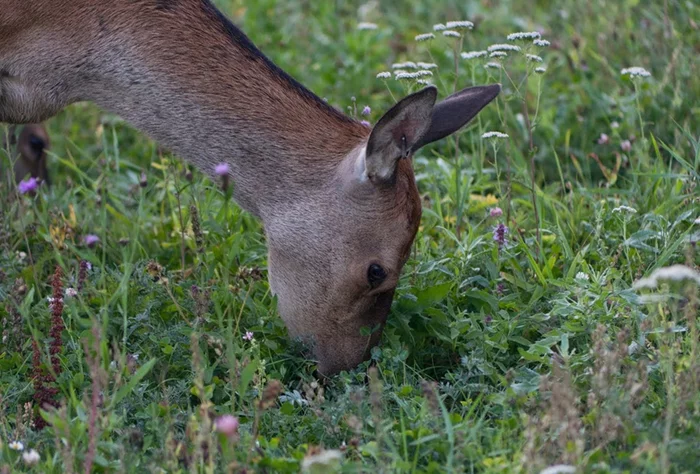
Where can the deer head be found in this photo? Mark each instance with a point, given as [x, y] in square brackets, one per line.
[338, 201]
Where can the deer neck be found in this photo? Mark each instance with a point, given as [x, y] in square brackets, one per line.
[193, 82]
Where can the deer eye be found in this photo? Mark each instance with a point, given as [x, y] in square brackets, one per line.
[375, 275]
[37, 144]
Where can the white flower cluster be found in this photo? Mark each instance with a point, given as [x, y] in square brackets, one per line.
[365, 25]
[621, 209]
[425, 37]
[492, 65]
[403, 75]
[474, 54]
[406, 65]
[635, 72]
[494, 135]
[534, 58]
[541, 42]
[672, 273]
[439, 27]
[451, 33]
[582, 276]
[503, 47]
[540, 70]
[426, 65]
[384, 75]
[523, 35]
[459, 25]
[498, 54]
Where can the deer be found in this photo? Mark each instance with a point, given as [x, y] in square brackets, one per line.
[28, 152]
[338, 200]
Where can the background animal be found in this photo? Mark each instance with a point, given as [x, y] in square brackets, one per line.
[28, 151]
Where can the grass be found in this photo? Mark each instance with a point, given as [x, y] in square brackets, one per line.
[497, 358]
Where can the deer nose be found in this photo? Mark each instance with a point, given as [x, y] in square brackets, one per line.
[37, 144]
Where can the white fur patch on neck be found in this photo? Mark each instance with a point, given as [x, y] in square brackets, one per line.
[361, 165]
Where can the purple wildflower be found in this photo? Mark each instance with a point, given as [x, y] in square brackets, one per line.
[367, 110]
[222, 169]
[366, 123]
[496, 212]
[227, 425]
[626, 146]
[499, 234]
[248, 336]
[91, 240]
[28, 186]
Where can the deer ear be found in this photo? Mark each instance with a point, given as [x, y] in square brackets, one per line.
[397, 133]
[456, 110]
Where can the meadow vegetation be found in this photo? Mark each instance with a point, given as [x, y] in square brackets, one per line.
[547, 317]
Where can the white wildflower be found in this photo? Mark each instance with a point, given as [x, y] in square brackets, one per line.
[494, 135]
[474, 54]
[451, 33]
[672, 273]
[459, 25]
[406, 65]
[423, 82]
[384, 75]
[403, 75]
[534, 58]
[522, 35]
[498, 54]
[582, 276]
[323, 461]
[503, 47]
[622, 209]
[439, 27]
[635, 72]
[697, 221]
[540, 70]
[559, 469]
[16, 446]
[31, 457]
[426, 65]
[492, 65]
[425, 37]
[540, 42]
[71, 292]
[365, 25]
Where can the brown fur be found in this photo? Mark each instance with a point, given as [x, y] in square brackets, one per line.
[177, 68]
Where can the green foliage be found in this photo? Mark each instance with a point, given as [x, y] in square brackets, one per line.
[498, 357]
